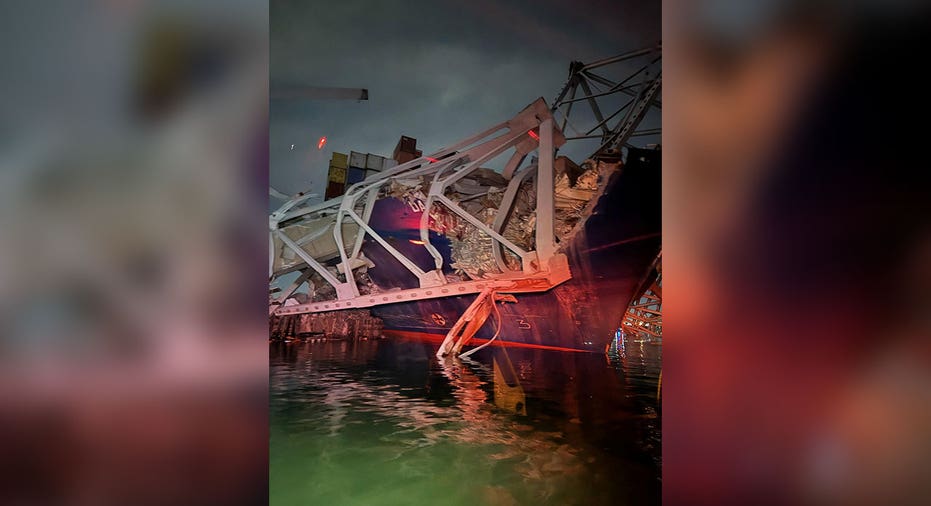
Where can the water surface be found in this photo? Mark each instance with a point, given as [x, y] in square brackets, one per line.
[383, 422]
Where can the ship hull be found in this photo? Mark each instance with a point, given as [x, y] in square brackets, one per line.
[609, 256]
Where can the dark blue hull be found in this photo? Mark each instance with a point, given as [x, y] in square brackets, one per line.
[609, 256]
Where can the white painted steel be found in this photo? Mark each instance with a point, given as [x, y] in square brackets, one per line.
[446, 166]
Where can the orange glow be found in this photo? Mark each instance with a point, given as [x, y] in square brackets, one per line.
[533, 134]
[417, 241]
[432, 160]
[321, 142]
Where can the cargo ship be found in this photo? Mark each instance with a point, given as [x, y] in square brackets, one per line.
[542, 252]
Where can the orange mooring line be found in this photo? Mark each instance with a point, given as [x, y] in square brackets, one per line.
[437, 338]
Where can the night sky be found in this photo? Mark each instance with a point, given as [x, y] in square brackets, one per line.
[436, 71]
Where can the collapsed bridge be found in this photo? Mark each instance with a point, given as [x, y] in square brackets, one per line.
[445, 226]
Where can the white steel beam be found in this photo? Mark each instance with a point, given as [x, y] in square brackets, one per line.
[411, 266]
[481, 226]
[545, 242]
[506, 207]
[342, 291]
[370, 199]
[539, 282]
[447, 166]
[280, 300]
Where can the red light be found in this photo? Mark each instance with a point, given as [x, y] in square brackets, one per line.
[321, 142]
[534, 135]
[416, 241]
[432, 160]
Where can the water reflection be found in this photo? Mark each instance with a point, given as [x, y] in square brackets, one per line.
[509, 394]
[639, 359]
[386, 419]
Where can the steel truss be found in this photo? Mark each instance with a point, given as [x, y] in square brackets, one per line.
[540, 269]
[628, 98]
[616, 113]
[625, 101]
[645, 314]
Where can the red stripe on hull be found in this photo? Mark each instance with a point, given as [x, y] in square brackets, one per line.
[438, 339]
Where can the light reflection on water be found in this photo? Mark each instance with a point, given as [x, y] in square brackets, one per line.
[385, 422]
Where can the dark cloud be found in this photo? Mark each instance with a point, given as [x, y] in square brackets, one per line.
[437, 71]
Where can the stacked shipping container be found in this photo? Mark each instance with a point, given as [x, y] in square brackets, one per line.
[406, 150]
[346, 170]
[336, 181]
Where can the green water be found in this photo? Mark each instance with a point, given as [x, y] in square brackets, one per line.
[385, 423]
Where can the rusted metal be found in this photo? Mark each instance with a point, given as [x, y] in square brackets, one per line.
[512, 285]
[471, 321]
[353, 324]
[645, 314]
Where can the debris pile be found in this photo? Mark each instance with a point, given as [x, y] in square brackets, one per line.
[365, 283]
[352, 324]
[320, 288]
[472, 254]
[575, 186]
[480, 194]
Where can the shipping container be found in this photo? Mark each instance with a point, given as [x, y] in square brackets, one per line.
[405, 145]
[404, 157]
[357, 160]
[408, 144]
[374, 162]
[334, 190]
[389, 164]
[340, 160]
[369, 173]
[355, 175]
[337, 174]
